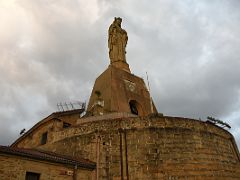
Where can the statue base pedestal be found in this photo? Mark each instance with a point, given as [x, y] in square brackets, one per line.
[120, 91]
[121, 65]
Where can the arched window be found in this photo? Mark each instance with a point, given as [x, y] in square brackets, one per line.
[133, 107]
[136, 108]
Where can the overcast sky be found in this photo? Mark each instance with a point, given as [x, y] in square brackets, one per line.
[51, 51]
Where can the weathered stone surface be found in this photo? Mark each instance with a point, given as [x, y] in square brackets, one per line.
[117, 42]
[15, 168]
[117, 89]
[157, 148]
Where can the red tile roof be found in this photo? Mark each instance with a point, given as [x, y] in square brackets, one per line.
[48, 156]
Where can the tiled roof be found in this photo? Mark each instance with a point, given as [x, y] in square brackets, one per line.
[48, 156]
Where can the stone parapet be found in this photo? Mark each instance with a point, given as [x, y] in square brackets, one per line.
[152, 147]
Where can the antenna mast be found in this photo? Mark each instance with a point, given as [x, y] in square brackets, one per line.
[149, 93]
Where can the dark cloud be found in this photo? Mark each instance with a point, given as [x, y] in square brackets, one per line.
[52, 51]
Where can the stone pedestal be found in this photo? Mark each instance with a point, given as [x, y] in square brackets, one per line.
[120, 91]
[121, 65]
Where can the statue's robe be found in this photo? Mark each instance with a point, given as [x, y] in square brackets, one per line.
[117, 41]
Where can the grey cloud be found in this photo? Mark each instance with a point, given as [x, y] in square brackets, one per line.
[189, 49]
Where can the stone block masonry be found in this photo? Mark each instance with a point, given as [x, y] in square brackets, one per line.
[152, 148]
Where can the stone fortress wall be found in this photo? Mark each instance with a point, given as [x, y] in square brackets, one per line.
[152, 147]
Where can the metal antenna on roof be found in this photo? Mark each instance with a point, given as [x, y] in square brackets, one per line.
[60, 107]
[72, 105]
[22, 131]
[68, 106]
[218, 122]
[149, 93]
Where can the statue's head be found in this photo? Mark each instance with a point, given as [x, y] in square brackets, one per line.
[118, 21]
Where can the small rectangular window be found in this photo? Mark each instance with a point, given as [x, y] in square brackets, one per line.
[66, 125]
[32, 176]
[44, 138]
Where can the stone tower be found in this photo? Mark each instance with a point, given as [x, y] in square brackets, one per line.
[117, 89]
[126, 137]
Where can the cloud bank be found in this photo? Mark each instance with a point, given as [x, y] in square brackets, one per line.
[52, 51]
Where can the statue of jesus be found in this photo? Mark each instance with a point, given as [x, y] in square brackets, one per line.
[117, 41]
